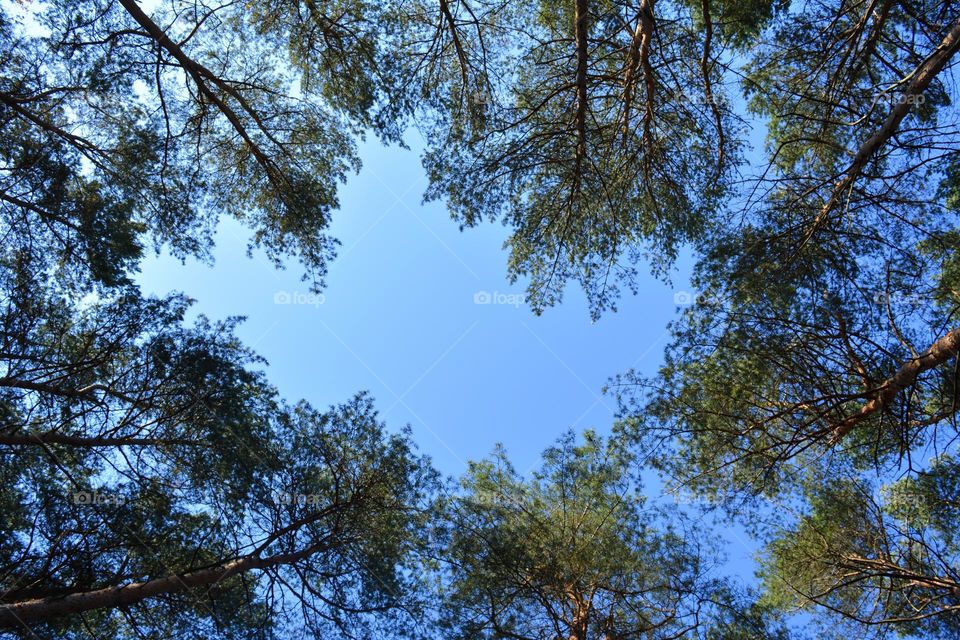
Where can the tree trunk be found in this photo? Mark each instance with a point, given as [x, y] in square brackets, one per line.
[21, 614]
[581, 29]
[939, 352]
[922, 76]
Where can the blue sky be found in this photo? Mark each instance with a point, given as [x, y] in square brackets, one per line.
[398, 318]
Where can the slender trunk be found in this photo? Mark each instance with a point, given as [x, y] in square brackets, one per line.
[581, 35]
[457, 45]
[637, 57]
[80, 441]
[581, 614]
[705, 69]
[647, 25]
[922, 76]
[939, 352]
[84, 393]
[201, 76]
[21, 614]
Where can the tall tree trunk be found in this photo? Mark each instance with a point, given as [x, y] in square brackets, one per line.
[581, 29]
[21, 614]
[939, 352]
[921, 77]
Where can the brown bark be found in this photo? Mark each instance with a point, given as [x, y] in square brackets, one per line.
[457, 45]
[640, 58]
[581, 614]
[94, 441]
[21, 614]
[581, 35]
[85, 392]
[939, 352]
[708, 84]
[922, 76]
[202, 76]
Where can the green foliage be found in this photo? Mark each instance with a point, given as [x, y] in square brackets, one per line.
[112, 142]
[880, 562]
[158, 449]
[596, 160]
[573, 551]
[818, 363]
[828, 287]
[819, 372]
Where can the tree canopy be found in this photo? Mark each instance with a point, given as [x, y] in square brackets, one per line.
[575, 552]
[600, 145]
[156, 485]
[821, 365]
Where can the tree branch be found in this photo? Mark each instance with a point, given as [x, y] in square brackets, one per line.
[20, 614]
[922, 76]
[942, 350]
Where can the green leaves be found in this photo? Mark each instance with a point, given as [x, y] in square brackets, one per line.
[820, 366]
[868, 557]
[572, 551]
[136, 449]
[154, 484]
[161, 123]
[598, 152]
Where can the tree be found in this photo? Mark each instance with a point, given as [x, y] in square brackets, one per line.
[885, 559]
[606, 136]
[574, 552]
[123, 129]
[153, 484]
[821, 363]
[819, 372]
